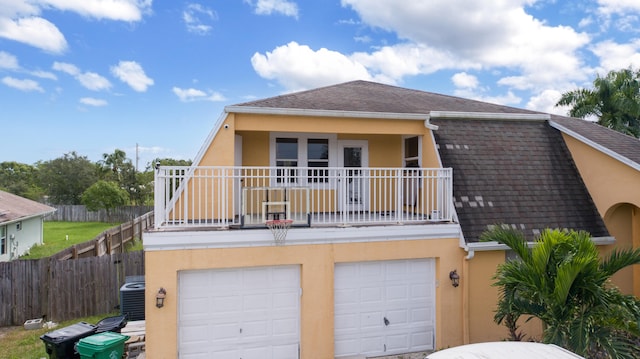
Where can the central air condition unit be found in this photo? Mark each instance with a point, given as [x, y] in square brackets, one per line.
[132, 300]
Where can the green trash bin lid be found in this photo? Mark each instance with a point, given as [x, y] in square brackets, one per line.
[101, 343]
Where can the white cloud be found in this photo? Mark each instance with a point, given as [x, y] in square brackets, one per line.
[191, 95]
[618, 6]
[67, 68]
[131, 73]
[34, 31]
[23, 21]
[93, 81]
[299, 67]
[546, 102]
[464, 80]
[8, 61]
[44, 75]
[615, 56]
[483, 36]
[89, 80]
[196, 16]
[93, 101]
[25, 85]
[268, 7]
[122, 10]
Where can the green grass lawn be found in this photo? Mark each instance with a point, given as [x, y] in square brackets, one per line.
[61, 235]
[18, 343]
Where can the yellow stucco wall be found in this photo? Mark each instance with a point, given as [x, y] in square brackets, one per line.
[317, 267]
[613, 186]
[483, 299]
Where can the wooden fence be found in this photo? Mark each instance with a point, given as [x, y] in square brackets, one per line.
[79, 213]
[64, 290]
[113, 240]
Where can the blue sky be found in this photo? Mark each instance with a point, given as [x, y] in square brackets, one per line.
[93, 76]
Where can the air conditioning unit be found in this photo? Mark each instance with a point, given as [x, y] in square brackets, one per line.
[132, 300]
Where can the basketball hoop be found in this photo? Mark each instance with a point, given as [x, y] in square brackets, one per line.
[279, 228]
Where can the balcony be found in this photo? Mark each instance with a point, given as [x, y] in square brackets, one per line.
[247, 197]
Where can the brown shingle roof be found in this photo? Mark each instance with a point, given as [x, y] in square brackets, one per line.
[374, 97]
[14, 208]
[518, 173]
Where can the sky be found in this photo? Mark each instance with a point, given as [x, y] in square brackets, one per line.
[152, 78]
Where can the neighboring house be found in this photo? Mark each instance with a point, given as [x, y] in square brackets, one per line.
[389, 190]
[21, 225]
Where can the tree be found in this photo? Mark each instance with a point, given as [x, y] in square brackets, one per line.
[105, 195]
[20, 179]
[65, 178]
[563, 282]
[614, 99]
[117, 167]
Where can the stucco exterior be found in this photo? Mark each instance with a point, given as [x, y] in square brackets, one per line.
[613, 185]
[317, 264]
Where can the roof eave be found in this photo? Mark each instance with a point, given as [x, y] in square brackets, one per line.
[595, 145]
[330, 113]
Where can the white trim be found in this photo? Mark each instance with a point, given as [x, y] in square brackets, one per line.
[325, 113]
[491, 116]
[596, 145]
[331, 113]
[183, 240]
[302, 138]
[495, 246]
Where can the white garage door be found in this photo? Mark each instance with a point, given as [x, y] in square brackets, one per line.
[239, 313]
[385, 307]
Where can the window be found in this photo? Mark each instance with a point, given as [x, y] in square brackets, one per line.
[3, 239]
[314, 152]
[286, 156]
[318, 157]
[412, 152]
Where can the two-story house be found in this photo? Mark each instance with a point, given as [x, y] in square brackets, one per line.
[387, 191]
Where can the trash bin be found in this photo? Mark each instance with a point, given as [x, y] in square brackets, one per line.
[111, 324]
[59, 343]
[106, 345]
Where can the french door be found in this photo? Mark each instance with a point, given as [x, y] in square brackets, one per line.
[354, 157]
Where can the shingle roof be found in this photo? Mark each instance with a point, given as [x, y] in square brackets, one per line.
[518, 173]
[623, 145]
[14, 208]
[512, 172]
[374, 97]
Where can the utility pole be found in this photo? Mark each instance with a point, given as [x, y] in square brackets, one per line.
[137, 157]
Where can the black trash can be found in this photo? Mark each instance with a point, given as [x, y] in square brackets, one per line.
[59, 343]
[111, 324]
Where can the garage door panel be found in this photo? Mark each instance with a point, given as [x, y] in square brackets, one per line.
[401, 291]
[240, 313]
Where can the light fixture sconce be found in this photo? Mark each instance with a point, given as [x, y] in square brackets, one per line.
[162, 293]
[455, 278]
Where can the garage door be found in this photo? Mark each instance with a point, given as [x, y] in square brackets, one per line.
[239, 313]
[384, 307]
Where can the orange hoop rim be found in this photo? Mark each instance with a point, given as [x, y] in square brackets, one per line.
[279, 221]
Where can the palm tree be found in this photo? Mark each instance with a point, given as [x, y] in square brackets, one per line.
[614, 99]
[561, 280]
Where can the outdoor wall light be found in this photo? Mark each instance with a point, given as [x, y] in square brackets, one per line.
[162, 293]
[455, 278]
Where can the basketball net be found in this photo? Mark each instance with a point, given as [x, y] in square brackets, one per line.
[279, 228]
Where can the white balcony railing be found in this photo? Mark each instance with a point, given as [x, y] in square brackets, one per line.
[249, 196]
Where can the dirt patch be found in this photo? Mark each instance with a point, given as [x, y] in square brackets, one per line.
[5, 330]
